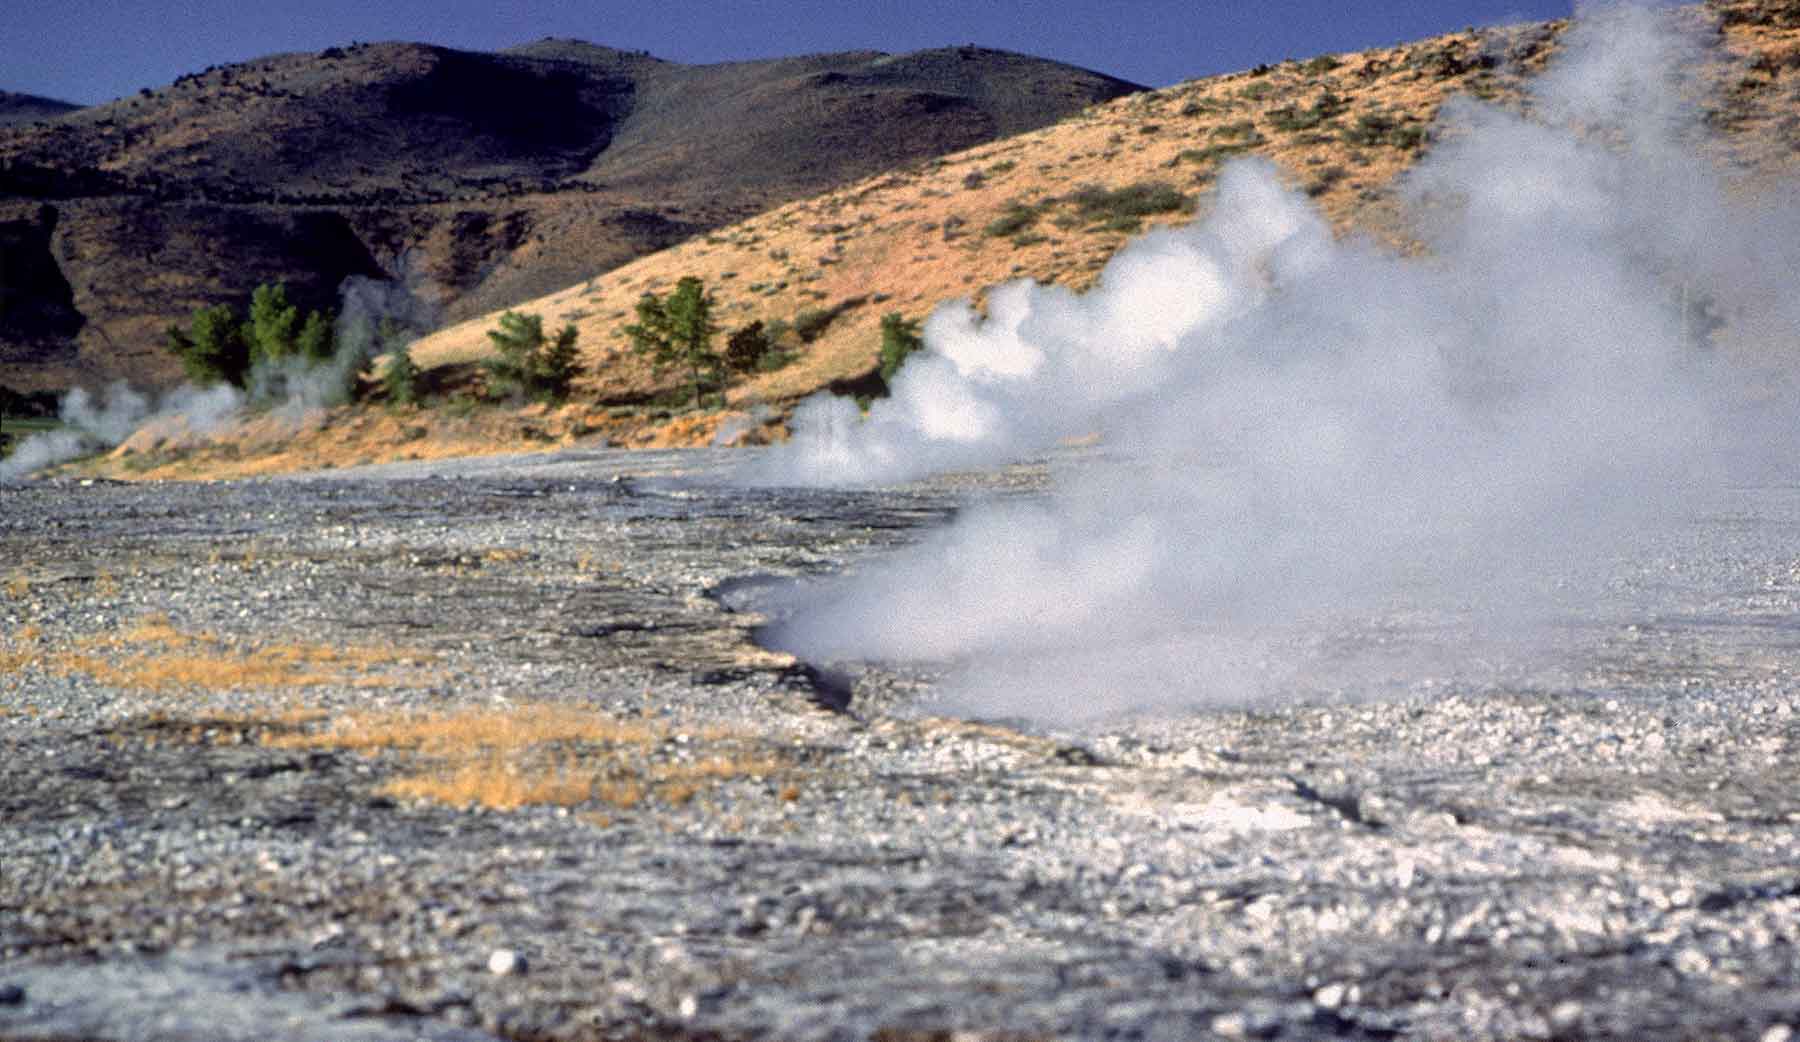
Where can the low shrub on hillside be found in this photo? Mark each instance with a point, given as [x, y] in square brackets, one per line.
[1213, 153]
[1370, 128]
[1292, 118]
[811, 323]
[1123, 209]
[1014, 219]
[1779, 13]
[1324, 179]
[1445, 62]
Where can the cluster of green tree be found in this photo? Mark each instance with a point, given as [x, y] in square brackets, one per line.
[266, 350]
[219, 346]
[530, 364]
[676, 332]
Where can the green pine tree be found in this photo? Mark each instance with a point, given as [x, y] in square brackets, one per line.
[530, 364]
[401, 377]
[213, 349]
[315, 341]
[273, 330]
[899, 339]
[559, 364]
[677, 332]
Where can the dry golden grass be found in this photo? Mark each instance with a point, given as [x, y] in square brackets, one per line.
[153, 655]
[540, 754]
[347, 436]
[622, 782]
[21, 649]
[904, 241]
[494, 782]
[497, 784]
[462, 731]
[912, 238]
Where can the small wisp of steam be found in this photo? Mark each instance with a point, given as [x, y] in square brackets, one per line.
[93, 424]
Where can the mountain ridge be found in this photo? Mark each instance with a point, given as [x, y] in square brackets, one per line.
[478, 178]
[29, 108]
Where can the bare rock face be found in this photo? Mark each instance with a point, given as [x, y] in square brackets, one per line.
[479, 180]
[39, 320]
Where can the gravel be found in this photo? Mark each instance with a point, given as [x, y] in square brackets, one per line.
[1610, 853]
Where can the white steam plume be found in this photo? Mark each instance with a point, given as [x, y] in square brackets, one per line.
[1300, 431]
[92, 425]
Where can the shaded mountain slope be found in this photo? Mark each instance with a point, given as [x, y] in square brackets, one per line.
[478, 179]
[30, 108]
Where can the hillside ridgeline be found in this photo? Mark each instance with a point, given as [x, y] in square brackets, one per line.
[476, 180]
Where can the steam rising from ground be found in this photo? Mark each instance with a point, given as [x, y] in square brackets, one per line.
[1304, 440]
[292, 387]
[94, 425]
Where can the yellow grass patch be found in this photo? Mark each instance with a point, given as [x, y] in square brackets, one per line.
[459, 732]
[21, 649]
[540, 754]
[153, 655]
[494, 783]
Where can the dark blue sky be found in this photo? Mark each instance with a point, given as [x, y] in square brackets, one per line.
[90, 51]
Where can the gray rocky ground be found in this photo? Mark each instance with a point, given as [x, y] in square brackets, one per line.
[1615, 855]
